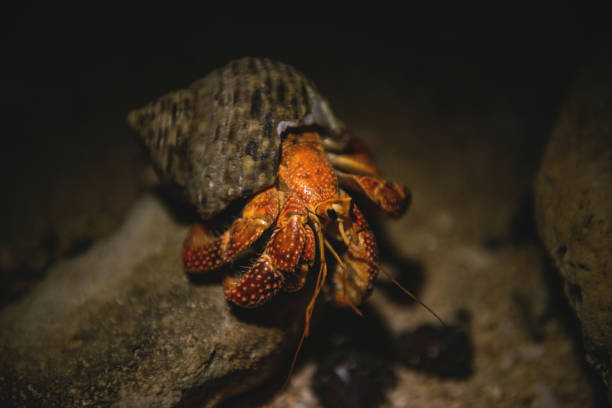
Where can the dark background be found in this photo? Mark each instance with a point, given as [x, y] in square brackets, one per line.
[71, 62]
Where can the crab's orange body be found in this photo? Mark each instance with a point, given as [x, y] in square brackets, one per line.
[305, 205]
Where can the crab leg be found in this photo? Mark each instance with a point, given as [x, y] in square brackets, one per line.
[392, 198]
[280, 257]
[321, 276]
[201, 254]
[355, 159]
[354, 282]
[297, 278]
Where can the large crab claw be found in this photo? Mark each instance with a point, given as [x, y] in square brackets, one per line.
[284, 262]
[201, 254]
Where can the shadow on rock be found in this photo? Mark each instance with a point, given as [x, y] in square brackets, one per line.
[16, 281]
[353, 379]
[522, 229]
[343, 329]
[176, 204]
[282, 311]
[355, 355]
[183, 212]
[443, 351]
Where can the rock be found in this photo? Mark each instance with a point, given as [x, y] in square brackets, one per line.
[123, 325]
[574, 209]
[44, 223]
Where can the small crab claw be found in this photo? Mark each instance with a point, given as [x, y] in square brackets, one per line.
[356, 158]
[354, 281]
[330, 210]
[392, 198]
[279, 266]
[201, 253]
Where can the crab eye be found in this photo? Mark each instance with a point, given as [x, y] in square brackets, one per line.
[331, 213]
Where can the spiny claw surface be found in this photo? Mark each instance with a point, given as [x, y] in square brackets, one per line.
[285, 247]
[255, 287]
[392, 198]
[201, 253]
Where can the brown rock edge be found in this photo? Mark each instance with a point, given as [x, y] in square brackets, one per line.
[123, 325]
[574, 209]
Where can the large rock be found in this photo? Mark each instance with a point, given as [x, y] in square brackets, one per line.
[123, 325]
[574, 208]
[43, 221]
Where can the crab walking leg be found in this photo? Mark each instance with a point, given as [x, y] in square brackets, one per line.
[357, 159]
[201, 254]
[297, 278]
[321, 276]
[392, 198]
[354, 282]
[280, 257]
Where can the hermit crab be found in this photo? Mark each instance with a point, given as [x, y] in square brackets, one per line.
[259, 129]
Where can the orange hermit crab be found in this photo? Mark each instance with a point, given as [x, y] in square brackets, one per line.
[259, 128]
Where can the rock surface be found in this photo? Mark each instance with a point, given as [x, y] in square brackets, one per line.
[69, 195]
[122, 324]
[574, 208]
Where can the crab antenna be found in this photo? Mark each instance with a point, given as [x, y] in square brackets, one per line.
[310, 308]
[412, 296]
[334, 253]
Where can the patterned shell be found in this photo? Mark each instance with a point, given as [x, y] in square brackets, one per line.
[220, 138]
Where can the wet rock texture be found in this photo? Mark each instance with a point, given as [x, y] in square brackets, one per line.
[122, 325]
[574, 208]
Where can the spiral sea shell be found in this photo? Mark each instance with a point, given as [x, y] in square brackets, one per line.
[220, 138]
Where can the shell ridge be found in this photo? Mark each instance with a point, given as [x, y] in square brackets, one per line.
[261, 136]
[229, 145]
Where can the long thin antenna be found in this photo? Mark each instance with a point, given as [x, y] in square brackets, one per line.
[310, 308]
[412, 296]
[334, 253]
